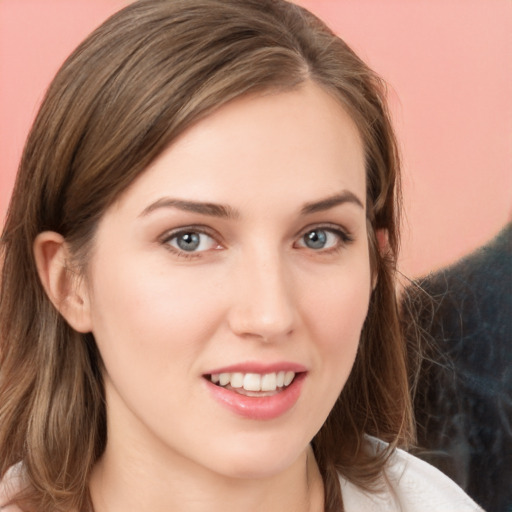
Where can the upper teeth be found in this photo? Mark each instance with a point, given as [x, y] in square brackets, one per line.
[254, 381]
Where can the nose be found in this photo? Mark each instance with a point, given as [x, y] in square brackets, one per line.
[263, 300]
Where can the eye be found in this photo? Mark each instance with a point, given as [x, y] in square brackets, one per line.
[190, 241]
[322, 238]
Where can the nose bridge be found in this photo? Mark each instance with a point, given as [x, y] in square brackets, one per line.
[264, 305]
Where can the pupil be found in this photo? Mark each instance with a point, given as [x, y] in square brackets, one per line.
[316, 239]
[189, 241]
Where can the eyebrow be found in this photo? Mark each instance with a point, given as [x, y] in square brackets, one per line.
[330, 202]
[227, 212]
[210, 209]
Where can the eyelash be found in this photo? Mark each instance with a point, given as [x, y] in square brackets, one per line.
[200, 230]
[345, 238]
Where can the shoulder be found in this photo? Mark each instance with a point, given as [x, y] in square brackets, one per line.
[9, 486]
[408, 485]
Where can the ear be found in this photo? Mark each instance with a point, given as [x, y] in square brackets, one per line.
[64, 286]
[382, 238]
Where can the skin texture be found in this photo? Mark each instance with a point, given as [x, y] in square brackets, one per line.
[252, 292]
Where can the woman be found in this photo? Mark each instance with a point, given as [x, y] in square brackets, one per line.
[198, 306]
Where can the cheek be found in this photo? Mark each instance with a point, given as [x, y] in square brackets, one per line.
[342, 327]
[148, 334]
[146, 321]
[336, 315]
[339, 307]
[346, 311]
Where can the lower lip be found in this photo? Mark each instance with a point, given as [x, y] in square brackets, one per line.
[259, 408]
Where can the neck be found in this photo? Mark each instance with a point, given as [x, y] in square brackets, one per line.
[132, 485]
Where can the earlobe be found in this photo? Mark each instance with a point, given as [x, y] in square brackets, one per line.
[64, 286]
[382, 238]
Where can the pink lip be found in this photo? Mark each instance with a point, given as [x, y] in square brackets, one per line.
[258, 408]
[255, 367]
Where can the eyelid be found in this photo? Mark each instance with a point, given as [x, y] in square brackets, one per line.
[345, 237]
[188, 228]
[194, 228]
[327, 226]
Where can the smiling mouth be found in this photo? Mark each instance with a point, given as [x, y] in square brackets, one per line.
[253, 384]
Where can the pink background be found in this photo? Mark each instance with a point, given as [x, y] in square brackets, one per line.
[448, 66]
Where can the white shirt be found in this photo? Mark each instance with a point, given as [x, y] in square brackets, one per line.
[410, 485]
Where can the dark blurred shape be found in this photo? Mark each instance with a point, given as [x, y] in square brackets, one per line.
[463, 399]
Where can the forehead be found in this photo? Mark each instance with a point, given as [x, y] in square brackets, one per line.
[278, 147]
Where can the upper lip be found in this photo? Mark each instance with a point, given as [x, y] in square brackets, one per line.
[260, 368]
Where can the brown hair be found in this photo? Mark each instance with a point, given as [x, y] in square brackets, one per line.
[124, 95]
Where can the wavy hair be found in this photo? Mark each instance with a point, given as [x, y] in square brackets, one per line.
[137, 82]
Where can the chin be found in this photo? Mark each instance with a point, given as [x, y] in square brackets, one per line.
[258, 459]
[256, 470]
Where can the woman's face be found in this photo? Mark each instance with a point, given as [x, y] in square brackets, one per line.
[236, 263]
